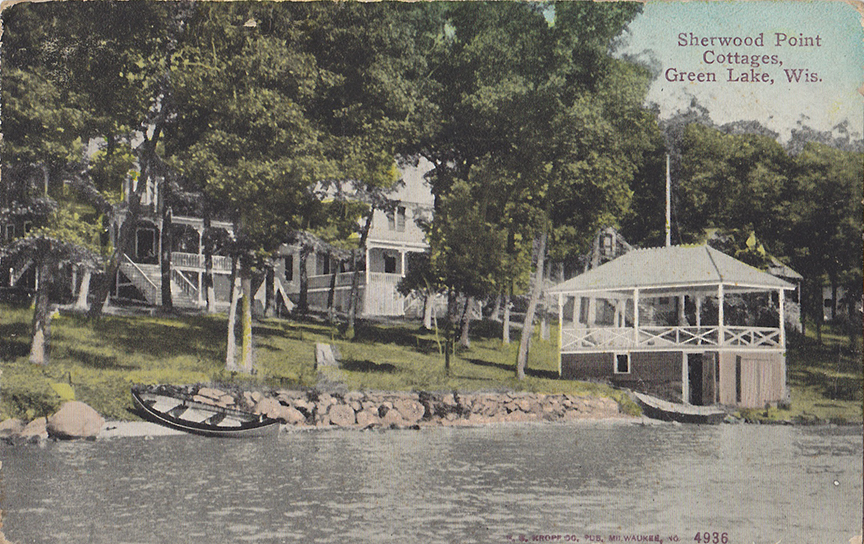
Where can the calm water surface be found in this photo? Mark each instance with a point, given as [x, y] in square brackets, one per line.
[758, 484]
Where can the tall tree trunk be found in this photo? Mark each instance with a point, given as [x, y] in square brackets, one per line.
[165, 258]
[354, 303]
[231, 351]
[41, 318]
[270, 291]
[833, 299]
[331, 295]
[528, 327]
[451, 318]
[246, 283]
[303, 301]
[505, 334]
[464, 340]
[428, 308]
[83, 291]
[496, 310]
[209, 285]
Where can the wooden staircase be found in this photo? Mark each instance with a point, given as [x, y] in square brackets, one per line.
[147, 278]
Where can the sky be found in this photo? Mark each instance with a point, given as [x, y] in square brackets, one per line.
[834, 65]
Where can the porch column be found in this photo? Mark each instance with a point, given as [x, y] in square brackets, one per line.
[698, 311]
[560, 330]
[577, 309]
[682, 316]
[200, 241]
[367, 266]
[782, 307]
[402, 256]
[200, 288]
[721, 334]
[636, 316]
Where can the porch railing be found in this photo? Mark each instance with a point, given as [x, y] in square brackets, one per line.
[195, 261]
[666, 337]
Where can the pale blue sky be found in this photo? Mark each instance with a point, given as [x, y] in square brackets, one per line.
[839, 62]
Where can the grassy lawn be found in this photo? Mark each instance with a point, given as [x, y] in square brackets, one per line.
[102, 359]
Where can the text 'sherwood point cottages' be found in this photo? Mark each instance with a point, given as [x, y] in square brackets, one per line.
[672, 322]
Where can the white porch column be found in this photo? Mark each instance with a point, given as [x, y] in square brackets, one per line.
[636, 316]
[577, 308]
[782, 307]
[698, 311]
[200, 288]
[721, 334]
[402, 269]
[367, 267]
[560, 330]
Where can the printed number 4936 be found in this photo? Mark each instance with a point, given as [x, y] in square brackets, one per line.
[712, 538]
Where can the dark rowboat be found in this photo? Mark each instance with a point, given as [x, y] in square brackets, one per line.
[669, 411]
[174, 409]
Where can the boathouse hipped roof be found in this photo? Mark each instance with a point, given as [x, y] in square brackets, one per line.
[672, 268]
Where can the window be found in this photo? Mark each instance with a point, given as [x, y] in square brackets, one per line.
[389, 264]
[10, 231]
[622, 363]
[584, 305]
[28, 226]
[289, 268]
[400, 218]
[608, 242]
[391, 221]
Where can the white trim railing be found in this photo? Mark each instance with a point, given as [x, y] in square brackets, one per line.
[666, 337]
[195, 261]
[139, 278]
[184, 284]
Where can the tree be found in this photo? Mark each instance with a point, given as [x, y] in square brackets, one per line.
[242, 85]
[373, 106]
[821, 222]
[109, 60]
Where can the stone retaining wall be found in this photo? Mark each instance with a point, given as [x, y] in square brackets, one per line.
[407, 409]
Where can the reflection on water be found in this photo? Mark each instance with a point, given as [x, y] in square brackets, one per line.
[758, 484]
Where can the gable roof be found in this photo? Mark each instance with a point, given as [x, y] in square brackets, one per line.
[669, 268]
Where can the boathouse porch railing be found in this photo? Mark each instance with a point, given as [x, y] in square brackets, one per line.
[574, 340]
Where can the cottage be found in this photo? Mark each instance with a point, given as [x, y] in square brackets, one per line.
[392, 237]
[668, 321]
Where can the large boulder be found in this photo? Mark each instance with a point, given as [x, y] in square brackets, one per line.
[11, 427]
[410, 410]
[35, 430]
[269, 407]
[341, 415]
[75, 420]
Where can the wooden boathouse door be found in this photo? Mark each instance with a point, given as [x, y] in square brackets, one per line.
[702, 378]
[694, 378]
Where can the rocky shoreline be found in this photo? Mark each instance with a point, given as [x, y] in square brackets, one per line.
[389, 409]
[314, 409]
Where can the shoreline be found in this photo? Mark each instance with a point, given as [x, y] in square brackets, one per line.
[317, 410]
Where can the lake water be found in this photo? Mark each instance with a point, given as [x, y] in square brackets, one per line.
[757, 484]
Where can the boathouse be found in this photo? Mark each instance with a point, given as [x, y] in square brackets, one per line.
[689, 324]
